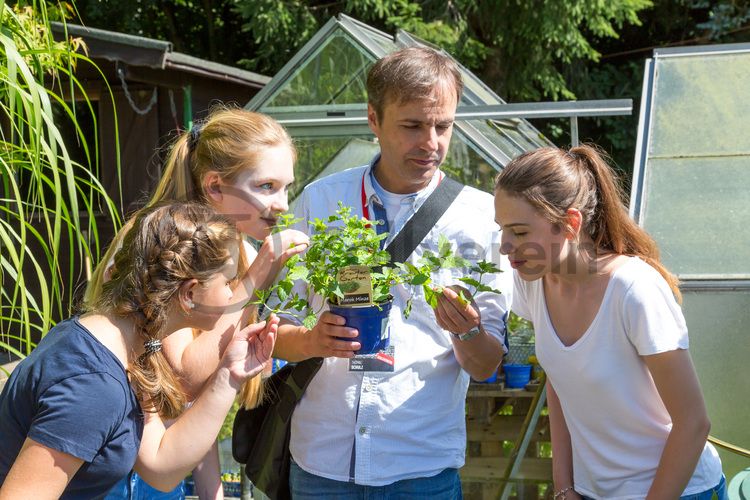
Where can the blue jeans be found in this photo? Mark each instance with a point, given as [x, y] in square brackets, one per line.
[306, 486]
[132, 487]
[720, 490]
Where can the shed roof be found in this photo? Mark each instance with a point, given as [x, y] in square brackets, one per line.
[157, 54]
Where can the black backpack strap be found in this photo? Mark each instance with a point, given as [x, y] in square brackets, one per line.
[295, 384]
[412, 234]
[303, 374]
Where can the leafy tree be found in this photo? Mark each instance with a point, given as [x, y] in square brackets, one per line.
[524, 50]
[517, 48]
[209, 29]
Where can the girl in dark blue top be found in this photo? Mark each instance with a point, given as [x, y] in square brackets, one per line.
[88, 404]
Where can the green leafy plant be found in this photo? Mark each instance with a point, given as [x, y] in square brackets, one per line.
[344, 240]
[50, 206]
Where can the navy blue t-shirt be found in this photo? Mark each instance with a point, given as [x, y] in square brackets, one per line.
[72, 394]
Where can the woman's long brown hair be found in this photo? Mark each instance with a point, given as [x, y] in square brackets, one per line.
[554, 180]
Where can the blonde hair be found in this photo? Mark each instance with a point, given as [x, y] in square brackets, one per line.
[228, 142]
[167, 245]
[554, 180]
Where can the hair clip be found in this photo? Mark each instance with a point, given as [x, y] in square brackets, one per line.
[152, 346]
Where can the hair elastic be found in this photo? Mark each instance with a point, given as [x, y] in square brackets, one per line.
[194, 136]
[152, 346]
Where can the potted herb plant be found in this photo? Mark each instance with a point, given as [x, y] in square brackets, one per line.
[345, 265]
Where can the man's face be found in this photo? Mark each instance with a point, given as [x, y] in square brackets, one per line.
[414, 138]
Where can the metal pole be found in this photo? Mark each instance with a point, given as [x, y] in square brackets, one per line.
[574, 131]
[187, 107]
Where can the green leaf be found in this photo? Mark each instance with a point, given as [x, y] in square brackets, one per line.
[420, 279]
[486, 288]
[470, 281]
[310, 321]
[298, 273]
[407, 308]
[487, 267]
[462, 299]
[431, 296]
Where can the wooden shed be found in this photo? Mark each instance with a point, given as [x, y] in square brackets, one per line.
[156, 92]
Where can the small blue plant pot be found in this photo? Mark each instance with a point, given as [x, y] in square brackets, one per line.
[517, 375]
[370, 321]
[489, 380]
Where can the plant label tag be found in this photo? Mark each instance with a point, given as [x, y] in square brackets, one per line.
[356, 284]
[381, 361]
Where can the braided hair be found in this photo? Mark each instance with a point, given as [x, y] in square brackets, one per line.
[167, 245]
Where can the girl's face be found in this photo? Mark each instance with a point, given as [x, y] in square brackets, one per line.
[533, 245]
[256, 196]
[211, 299]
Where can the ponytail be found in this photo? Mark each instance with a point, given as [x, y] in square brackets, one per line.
[611, 226]
[252, 392]
[553, 180]
[178, 181]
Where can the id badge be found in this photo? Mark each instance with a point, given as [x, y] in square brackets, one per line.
[381, 361]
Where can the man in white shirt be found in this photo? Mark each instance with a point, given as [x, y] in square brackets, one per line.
[401, 432]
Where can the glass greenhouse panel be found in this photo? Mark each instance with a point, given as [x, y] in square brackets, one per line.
[467, 166]
[717, 323]
[334, 74]
[699, 98]
[513, 136]
[681, 197]
[321, 156]
[364, 32]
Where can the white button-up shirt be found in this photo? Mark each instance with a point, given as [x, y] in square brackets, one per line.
[375, 428]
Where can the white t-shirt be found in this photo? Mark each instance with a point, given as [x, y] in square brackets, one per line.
[618, 423]
[398, 207]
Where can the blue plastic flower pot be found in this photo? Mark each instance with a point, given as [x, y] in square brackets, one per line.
[370, 321]
[517, 375]
[490, 380]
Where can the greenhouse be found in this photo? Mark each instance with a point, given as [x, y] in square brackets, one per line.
[320, 97]
[690, 192]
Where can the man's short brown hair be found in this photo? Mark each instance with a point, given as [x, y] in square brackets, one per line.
[411, 74]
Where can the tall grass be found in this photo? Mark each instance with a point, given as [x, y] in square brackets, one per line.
[43, 193]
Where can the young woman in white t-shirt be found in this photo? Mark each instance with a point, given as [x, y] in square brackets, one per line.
[626, 411]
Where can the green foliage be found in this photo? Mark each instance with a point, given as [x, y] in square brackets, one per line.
[516, 323]
[209, 29]
[226, 426]
[725, 17]
[47, 201]
[524, 51]
[517, 48]
[530, 41]
[344, 240]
